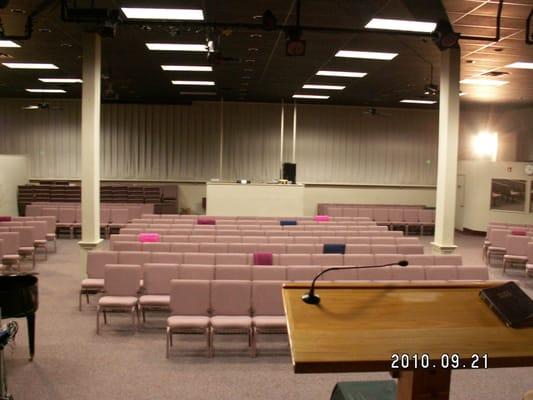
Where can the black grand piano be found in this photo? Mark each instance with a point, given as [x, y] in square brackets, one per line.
[19, 297]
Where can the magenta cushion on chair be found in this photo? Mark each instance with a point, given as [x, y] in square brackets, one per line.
[263, 259]
[518, 232]
[206, 221]
[322, 218]
[5, 218]
[149, 237]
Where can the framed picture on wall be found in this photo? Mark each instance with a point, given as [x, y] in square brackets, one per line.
[508, 195]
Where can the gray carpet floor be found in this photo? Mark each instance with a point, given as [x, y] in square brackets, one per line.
[73, 363]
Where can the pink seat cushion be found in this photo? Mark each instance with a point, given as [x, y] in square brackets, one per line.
[91, 283]
[117, 301]
[263, 258]
[322, 218]
[206, 221]
[50, 236]
[187, 322]
[518, 232]
[277, 322]
[149, 237]
[240, 322]
[155, 300]
[5, 218]
[11, 258]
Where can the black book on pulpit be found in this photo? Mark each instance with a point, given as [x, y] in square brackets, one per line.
[510, 303]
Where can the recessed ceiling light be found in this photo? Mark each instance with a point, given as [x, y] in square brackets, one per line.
[176, 47]
[60, 80]
[521, 65]
[324, 87]
[368, 55]
[249, 60]
[194, 83]
[45, 29]
[256, 35]
[199, 93]
[46, 91]
[401, 25]
[309, 96]
[8, 43]
[17, 11]
[164, 13]
[414, 101]
[187, 68]
[347, 74]
[252, 49]
[30, 66]
[32, 107]
[484, 82]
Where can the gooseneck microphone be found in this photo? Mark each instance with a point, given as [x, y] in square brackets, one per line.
[312, 298]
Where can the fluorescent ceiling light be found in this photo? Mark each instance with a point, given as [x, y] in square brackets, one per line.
[60, 80]
[401, 25]
[30, 66]
[30, 108]
[521, 65]
[46, 91]
[189, 68]
[414, 101]
[8, 43]
[324, 87]
[342, 73]
[176, 47]
[309, 96]
[164, 13]
[369, 55]
[194, 83]
[484, 82]
[199, 93]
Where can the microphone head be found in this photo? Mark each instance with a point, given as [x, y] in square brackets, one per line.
[403, 263]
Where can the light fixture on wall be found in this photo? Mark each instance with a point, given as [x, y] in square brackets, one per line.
[485, 145]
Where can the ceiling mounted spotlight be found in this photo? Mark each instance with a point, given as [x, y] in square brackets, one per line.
[444, 36]
[269, 21]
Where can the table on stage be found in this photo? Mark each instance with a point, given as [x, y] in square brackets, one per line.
[358, 327]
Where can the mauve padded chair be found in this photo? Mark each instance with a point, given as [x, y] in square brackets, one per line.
[396, 217]
[269, 273]
[119, 218]
[410, 249]
[156, 287]
[212, 247]
[96, 262]
[375, 274]
[358, 249]
[231, 308]
[327, 259]
[157, 247]
[166, 258]
[39, 240]
[420, 259]
[121, 288]
[128, 246]
[498, 241]
[51, 229]
[410, 217]
[343, 274]
[66, 219]
[11, 245]
[189, 309]
[26, 242]
[295, 259]
[381, 216]
[447, 259]
[382, 240]
[184, 247]
[517, 249]
[408, 273]
[304, 273]
[267, 308]
[300, 248]
[232, 259]
[358, 259]
[233, 272]
[441, 272]
[200, 272]
[199, 258]
[426, 218]
[473, 272]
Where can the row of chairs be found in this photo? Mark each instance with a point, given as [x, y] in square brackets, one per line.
[22, 240]
[239, 247]
[232, 224]
[257, 232]
[323, 208]
[248, 226]
[225, 218]
[513, 249]
[167, 287]
[264, 239]
[136, 210]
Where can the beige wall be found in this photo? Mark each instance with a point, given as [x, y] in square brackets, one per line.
[190, 197]
[13, 172]
[478, 175]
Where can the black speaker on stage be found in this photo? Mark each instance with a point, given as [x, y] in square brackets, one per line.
[289, 171]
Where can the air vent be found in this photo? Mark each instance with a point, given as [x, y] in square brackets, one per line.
[495, 73]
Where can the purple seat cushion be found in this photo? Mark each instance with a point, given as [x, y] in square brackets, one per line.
[5, 218]
[206, 221]
[518, 232]
[263, 259]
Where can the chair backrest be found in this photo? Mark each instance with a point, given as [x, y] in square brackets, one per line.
[41, 228]
[105, 215]
[119, 215]
[67, 215]
[122, 279]
[232, 259]
[26, 235]
[231, 297]
[157, 277]
[50, 221]
[269, 273]
[189, 297]
[11, 242]
[233, 272]
[266, 298]
[441, 272]
[517, 245]
[530, 253]
[202, 272]
[50, 211]
[498, 237]
[97, 260]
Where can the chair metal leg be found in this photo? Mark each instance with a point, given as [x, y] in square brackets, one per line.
[212, 342]
[81, 294]
[87, 296]
[98, 320]
[144, 315]
[133, 320]
[254, 342]
[71, 232]
[105, 317]
[208, 337]
[168, 342]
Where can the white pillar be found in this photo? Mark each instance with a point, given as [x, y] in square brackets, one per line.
[90, 145]
[448, 146]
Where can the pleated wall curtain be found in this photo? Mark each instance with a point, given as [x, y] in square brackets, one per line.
[335, 144]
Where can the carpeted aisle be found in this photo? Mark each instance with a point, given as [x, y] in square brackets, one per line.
[73, 363]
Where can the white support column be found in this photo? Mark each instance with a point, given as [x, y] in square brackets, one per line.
[294, 125]
[448, 147]
[90, 146]
[282, 137]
